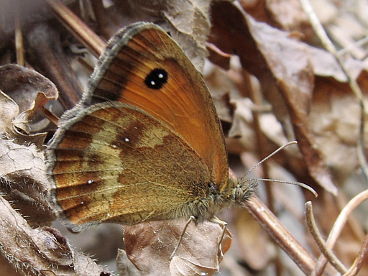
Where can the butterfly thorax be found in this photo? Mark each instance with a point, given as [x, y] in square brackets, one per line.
[202, 208]
[236, 192]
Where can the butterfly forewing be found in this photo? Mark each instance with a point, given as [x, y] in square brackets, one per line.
[183, 102]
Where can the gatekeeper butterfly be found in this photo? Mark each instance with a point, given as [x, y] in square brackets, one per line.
[145, 142]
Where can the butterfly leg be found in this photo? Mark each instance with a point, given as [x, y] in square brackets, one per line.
[191, 218]
[223, 225]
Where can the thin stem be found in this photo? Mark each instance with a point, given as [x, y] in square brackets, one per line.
[327, 252]
[360, 260]
[19, 44]
[280, 234]
[337, 228]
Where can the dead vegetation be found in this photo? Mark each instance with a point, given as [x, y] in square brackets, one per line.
[275, 76]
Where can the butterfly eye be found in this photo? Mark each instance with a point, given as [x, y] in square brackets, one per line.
[156, 78]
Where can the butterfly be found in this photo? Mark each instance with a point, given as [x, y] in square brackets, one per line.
[145, 142]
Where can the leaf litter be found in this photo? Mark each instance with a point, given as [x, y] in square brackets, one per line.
[262, 62]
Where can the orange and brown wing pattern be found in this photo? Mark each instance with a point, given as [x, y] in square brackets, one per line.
[130, 72]
[117, 163]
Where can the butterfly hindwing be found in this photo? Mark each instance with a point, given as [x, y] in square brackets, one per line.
[117, 163]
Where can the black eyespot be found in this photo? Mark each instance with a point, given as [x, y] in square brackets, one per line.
[156, 78]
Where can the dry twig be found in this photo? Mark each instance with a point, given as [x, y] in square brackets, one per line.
[77, 27]
[280, 235]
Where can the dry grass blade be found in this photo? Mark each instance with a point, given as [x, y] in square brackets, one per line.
[19, 45]
[78, 27]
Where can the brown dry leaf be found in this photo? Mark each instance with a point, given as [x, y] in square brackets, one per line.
[8, 111]
[187, 22]
[335, 114]
[242, 126]
[284, 14]
[124, 265]
[23, 179]
[30, 91]
[190, 25]
[221, 91]
[324, 64]
[254, 245]
[334, 118]
[39, 248]
[23, 85]
[271, 56]
[289, 15]
[47, 56]
[216, 56]
[7, 269]
[149, 246]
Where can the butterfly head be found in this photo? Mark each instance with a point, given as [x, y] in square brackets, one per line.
[241, 189]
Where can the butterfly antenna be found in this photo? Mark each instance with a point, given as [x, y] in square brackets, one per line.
[296, 183]
[305, 186]
[270, 155]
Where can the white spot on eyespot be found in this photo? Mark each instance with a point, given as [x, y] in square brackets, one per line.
[90, 181]
[153, 83]
[161, 76]
[114, 146]
[126, 139]
[82, 203]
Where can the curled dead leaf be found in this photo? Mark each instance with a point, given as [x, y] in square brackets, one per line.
[23, 180]
[8, 111]
[30, 91]
[24, 85]
[149, 246]
[40, 247]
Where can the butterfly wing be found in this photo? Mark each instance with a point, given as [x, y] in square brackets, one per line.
[130, 72]
[117, 163]
[145, 142]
